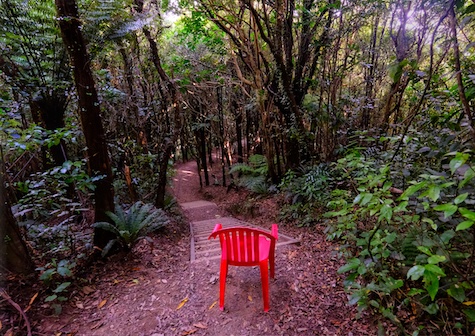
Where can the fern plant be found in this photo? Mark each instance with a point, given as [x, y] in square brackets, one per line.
[252, 176]
[131, 225]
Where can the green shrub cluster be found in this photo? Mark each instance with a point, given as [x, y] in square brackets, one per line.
[408, 236]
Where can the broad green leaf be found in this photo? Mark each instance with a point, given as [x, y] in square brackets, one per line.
[448, 209]
[458, 161]
[411, 190]
[390, 238]
[415, 272]
[431, 283]
[366, 198]
[435, 259]
[425, 250]
[51, 298]
[460, 198]
[401, 206]
[358, 198]
[434, 193]
[64, 271]
[387, 185]
[467, 213]
[467, 177]
[470, 313]
[386, 213]
[351, 265]
[446, 236]
[464, 225]
[434, 269]
[46, 275]
[457, 292]
[61, 287]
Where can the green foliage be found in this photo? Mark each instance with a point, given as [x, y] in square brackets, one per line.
[32, 48]
[57, 277]
[306, 190]
[131, 225]
[411, 249]
[45, 194]
[253, 175]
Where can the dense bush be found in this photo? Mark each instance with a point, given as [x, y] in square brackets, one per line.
[409, 250]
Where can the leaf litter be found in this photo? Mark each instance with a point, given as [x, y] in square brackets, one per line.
[306, 296]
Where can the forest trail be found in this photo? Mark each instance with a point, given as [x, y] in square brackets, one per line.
[157, 291]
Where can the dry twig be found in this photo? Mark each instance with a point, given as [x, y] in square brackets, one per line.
[7, 297]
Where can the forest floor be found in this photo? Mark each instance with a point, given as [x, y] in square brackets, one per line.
[156, 291]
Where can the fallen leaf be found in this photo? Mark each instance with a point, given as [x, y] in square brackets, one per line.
[469, 303]
[97, 325]
[31, 302]
[213, 304]
[115, 281]
[1, 326]
[135, 268]
[164, 280]
[87, 290]
[200, 325]
[249, 298]
[9, 332]
[182, 303]
[103, 302]
[135, 281]
[33, 299]
[189, 332]
[59, 333]
[79, 305]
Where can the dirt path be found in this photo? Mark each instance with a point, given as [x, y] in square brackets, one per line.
[156, 290]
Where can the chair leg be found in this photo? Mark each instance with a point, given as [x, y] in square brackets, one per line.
[265, 284]
[222, 283]
[272, 265]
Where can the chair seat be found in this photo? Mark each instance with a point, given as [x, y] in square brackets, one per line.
[243, 246]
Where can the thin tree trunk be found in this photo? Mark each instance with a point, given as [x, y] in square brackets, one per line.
[204, 163]
[89, 112]
[458, 73]
[238, 115]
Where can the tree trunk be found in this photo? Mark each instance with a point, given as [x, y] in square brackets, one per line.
[89, 112]
[202, 152]
[238, 115]
[467, 110]
[14, 255]
[175, 130]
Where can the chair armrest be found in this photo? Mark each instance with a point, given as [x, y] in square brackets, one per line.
[275, 231]
[215, 230]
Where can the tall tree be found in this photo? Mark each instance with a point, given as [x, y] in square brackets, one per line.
[174, 107]
[280, 44]
[89, 112]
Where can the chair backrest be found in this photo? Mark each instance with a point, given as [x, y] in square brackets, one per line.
[241, 245]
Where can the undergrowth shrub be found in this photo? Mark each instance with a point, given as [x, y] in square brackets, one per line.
[252, 175]
[306, 190]
[409, 249]
[131, 225]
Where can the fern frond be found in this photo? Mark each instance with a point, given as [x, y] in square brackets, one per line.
[117, 217]
[242, 168]
[106, 226]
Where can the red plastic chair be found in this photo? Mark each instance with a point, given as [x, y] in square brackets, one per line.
[243, 246]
